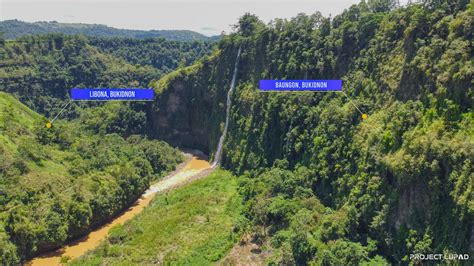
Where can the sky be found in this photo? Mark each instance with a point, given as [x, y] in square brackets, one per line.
[209, 17]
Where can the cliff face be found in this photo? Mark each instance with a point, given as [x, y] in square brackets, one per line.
[405, 173]
[190, 105]
[179, 121]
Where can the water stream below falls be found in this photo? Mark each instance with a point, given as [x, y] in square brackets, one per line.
[196, 165]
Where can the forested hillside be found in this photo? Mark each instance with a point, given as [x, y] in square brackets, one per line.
[16, 28]
[40, 70]
[160, 53]
[319, 183]
[57, 184]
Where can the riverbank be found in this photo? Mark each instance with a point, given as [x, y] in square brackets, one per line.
[195, 163]
[192, 225]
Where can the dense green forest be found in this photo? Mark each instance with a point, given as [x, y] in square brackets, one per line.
[16, 28]
[40, 70]
[160, 53]
[320, 184]
[58, 183]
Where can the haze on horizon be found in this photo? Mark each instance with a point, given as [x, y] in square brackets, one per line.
[209, 17]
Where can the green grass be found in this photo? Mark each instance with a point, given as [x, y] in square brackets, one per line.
[17, 123]
[15, 118]
[52, 181]
[191, 225]
[10, 107]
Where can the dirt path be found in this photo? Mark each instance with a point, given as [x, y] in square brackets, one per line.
[194, 167]
[246, 253]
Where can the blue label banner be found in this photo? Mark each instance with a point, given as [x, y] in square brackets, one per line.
[301, 85]
[112, 94]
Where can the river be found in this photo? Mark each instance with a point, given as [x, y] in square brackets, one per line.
[195, 165]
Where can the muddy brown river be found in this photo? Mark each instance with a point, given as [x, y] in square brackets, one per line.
[79, 247]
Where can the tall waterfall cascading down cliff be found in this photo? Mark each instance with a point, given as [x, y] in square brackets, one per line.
[218, 156]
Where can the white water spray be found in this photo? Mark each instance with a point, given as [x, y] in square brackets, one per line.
[218, 156]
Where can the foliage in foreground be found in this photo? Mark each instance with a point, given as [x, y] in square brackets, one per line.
[400, 182]
[55, 184]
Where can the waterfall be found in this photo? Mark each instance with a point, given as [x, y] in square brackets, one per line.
[218, 156]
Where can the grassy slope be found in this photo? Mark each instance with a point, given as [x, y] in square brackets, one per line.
[23, 113]
[56, 183]
[14, 114]
[18, 121]
[17, 125]
[191, 225]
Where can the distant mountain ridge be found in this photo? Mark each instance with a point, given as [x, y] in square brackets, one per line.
[16, 28]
